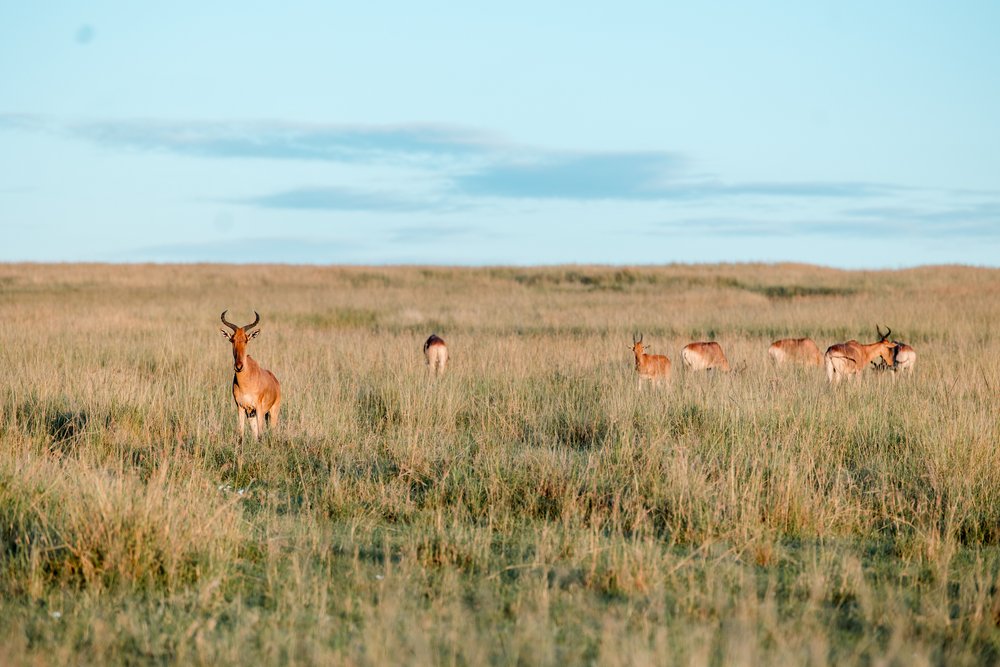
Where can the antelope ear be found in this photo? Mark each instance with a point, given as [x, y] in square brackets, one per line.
[226, 335]
[253, 334]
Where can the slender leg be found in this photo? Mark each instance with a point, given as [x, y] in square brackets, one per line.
[242, 419]
[272, 414]
[257, 424]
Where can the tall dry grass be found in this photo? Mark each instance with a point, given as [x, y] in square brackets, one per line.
[533, 506]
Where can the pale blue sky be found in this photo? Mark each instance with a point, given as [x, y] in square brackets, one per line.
[857, 134]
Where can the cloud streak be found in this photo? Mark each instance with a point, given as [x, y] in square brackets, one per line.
[986, 212]
[337, 199]
[470, 163]
[636, 177]
[454, 168]
[270, 140]
[900, 224]
[287, 141]
[625, 175]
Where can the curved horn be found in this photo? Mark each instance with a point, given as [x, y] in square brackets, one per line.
[227, 322]
[634, 341]
[640, 336]
[251, 326]
[888, 332]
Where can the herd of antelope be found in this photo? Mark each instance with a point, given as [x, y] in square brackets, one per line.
[842, 360]
[257, 392]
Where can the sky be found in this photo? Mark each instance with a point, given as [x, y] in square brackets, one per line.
[848, 134]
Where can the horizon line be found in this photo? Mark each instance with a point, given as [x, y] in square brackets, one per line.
[482, 266]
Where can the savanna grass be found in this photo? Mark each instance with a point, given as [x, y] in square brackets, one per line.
[532, 506]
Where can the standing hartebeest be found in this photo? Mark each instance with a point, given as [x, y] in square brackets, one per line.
[652, 367]
[850, 358]
[255, 389]
[436, 353]
[704, 357]
[798, 350]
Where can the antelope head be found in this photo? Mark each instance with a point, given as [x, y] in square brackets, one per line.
[239, 338]
[637, 346]
[887, 348]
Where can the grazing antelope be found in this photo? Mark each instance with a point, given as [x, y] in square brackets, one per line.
[796, 350]
[436, 353]
[652, 367]
[255, 390]
[904, 357]
[850, 358]
[704, 357]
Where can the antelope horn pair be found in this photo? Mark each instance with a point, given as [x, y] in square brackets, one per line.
[234, 327]
[881, 336]
[634, 341]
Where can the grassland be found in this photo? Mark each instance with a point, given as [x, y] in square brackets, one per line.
[532, 506]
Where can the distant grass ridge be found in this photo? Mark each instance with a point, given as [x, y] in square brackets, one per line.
[621, 280]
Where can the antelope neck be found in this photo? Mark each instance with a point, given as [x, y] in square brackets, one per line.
[249, 367]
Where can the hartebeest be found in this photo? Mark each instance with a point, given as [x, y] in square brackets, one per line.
[652, 367]
[255, 389]
[904, 357]
[850, 358]
[797, 350]
[704, 357]
[436, 353]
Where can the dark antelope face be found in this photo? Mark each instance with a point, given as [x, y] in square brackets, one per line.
[239, 339]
